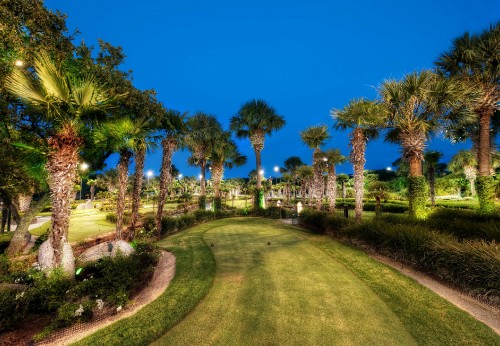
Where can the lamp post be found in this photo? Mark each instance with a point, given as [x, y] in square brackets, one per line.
[83, 167]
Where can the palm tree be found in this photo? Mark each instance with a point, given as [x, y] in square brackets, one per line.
[465, 162]
[417, 104]
[331, 158]
[66, 104]
[431, 159]
[305, 174]
[224, 154]
[255, 120]
[364, 117]
[200, 141]
[314, 137]
[473, 60]
[173, 125]
[124, 136]
[343, 179]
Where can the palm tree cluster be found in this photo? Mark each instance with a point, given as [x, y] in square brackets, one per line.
[461, 97]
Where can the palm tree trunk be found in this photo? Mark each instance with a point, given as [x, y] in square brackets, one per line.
[122, 189]
[217, 171]
[484, 143]
[357, 157]
[318, 180]
[432, 184]
[169, 145]
[92, 192]
[61, 166]
[257, 141]
[331, 187]
[140, 156]
[21, 236]
[203, 188]
[417, 188]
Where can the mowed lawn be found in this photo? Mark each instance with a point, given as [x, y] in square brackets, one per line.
[304, 289]
[83, 224]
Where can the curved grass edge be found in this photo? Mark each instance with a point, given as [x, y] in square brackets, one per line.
[406, 297]
[195, 272]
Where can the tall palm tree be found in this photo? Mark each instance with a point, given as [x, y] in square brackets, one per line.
[123, 136]
[417, 104]
[173, 125]
[465, 162]
[200, 140]
[343, 179]
[315, 137]
[143, 140]
[255, 120]
[473, 60]
[365, 117]
[224, 154]
[67, 104]
[431, 159]
[331, 158]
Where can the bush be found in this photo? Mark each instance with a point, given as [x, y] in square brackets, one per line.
[13, 308]
[112, 217]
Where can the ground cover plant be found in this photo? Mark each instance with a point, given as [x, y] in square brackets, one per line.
[471, 265]
[106, 283]
[252, 280]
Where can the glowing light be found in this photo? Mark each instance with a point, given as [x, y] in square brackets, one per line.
[84, 166]
[150, 174]
[261, 172]
[389, 168]
[19, 63]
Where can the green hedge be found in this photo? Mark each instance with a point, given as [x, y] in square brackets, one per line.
[471, 265]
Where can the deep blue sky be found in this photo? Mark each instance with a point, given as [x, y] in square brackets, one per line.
[303, 57]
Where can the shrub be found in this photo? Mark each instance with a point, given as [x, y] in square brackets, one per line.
[112, 217]
[13, 308]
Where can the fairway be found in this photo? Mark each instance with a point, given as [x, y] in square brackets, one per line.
[277, 285]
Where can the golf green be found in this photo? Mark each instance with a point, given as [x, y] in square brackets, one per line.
[276, 284]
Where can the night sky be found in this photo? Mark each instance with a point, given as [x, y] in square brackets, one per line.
[303, 57]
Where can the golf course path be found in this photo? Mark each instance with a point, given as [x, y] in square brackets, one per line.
[277, 285]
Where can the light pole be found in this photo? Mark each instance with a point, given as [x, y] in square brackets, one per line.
[83, 167]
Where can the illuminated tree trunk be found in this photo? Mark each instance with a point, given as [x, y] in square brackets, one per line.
[122, 189]
[21, 235]
[318, 180]
[140, 156]
[169, 145]
[357, 157]
[331, 187]
[61, 166]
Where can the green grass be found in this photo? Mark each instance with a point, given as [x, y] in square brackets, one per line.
[195, 270]
[83, 224]
[301, 289]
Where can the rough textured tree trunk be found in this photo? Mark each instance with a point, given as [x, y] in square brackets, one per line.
[484, 143]
[61, 166]
[318, 179]
[203, 170]
[122, 189]
[432, 183]
[415, 166]
[21, 235]
[140, 156]
[357, 157]
[344, 190]
[331, 187]
[217, 171]
[92, 192]
[257, 141]
[25, 201]
[472, 187]
[169, 145]
[5, 212]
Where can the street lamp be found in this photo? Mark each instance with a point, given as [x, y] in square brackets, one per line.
[83, 167]
[19, 63]
[149, 175]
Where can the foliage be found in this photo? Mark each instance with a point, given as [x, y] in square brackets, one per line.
[417, 195]
[486, 194]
